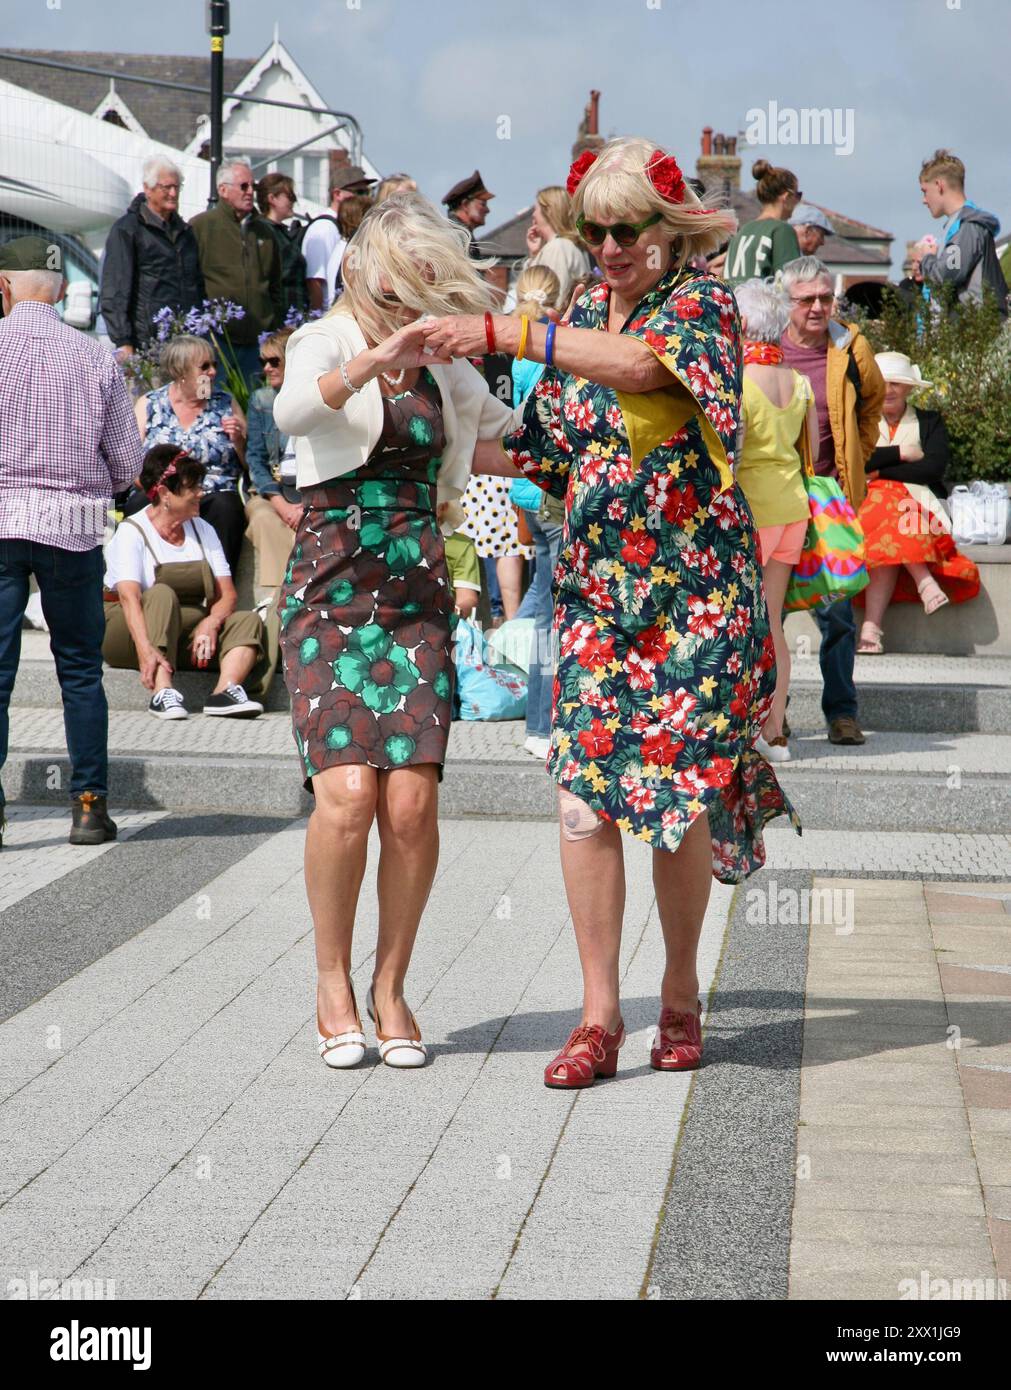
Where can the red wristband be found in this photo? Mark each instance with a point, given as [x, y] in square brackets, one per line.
[489, 331]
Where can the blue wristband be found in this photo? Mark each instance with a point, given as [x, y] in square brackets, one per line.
[549, 345]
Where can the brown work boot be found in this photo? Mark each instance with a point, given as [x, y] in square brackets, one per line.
[92, 825]
[845, 729]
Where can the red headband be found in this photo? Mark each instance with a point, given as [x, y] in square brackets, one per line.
[168, 472]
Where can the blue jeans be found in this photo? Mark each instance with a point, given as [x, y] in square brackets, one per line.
[488, 568]
[547, 540]
[837, 656]
[70, 583]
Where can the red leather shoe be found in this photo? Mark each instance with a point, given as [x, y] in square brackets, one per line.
[678, 1042]
[571, 1071]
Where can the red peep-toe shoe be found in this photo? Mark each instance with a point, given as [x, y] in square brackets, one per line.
[678, 1042]
[571, 1071]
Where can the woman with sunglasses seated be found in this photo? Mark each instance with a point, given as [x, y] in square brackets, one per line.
[387, 432]
[193, 414]
[666, 667]
[276, 509]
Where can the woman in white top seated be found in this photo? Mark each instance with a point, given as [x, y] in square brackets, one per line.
[385, 438]
[552, 240]
[170, 599]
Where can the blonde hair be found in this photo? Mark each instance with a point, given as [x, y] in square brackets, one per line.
[942, 164]
[399, 240]
[278, 341]
[395, 183]
[617, 188]
[538, 288]
[556, 208]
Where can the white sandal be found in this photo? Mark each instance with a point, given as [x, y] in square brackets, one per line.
[343, 1049]
[938, 598]
[397, 1052]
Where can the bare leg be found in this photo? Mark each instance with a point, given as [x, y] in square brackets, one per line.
[336, 846]
[878, 594]
[683, 881]
[236, 666]
[510, 580]
[594, 873]
[409, 834]
[776, 576]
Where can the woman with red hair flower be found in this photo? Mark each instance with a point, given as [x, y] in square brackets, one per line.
[666, 667]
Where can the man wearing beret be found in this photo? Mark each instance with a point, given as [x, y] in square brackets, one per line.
[68, 442]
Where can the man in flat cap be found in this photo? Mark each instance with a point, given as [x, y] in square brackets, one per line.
[467, 203]
[323, 246]
[812, 227]
[68, 443]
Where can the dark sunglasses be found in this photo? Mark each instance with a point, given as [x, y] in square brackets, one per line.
[205, 366]
[623, 233]
[271, 361]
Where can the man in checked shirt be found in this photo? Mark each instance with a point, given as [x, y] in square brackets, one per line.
[68, 442]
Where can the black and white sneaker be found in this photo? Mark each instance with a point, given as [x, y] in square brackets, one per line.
[168, 704]
[233, 701]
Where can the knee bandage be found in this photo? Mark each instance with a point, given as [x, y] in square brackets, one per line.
[579, 821]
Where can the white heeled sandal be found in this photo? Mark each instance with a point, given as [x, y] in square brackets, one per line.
[343, 1049]
[397, 1052]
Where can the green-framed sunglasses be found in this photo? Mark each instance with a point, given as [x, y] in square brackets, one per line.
[624, 233]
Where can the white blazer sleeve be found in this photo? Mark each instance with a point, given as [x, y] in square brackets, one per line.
[298, 407]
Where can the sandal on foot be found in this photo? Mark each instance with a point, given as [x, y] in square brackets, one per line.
[678, 1042]
[932, 596]
[572, 1071]
[870, 640]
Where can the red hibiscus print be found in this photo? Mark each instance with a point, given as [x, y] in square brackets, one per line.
[704, 618]
[639, 671]
[660, 747]
[642, 799]
[597, 740]
[688, 308]
[653, 643]
[680, 505]
[720, 772]
[638, 548]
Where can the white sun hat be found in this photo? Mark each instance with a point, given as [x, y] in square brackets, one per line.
[896, 366]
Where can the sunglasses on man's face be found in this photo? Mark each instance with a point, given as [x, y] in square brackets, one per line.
[242, 187]
[623, 233]
[271, 361]
[808, 301]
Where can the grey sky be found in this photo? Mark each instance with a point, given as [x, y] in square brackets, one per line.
[429, 79]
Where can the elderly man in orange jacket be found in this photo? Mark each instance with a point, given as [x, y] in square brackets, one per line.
[849, 392]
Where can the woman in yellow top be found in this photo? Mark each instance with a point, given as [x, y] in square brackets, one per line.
[777, 404]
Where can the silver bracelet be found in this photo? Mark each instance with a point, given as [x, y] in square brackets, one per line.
[347, 380]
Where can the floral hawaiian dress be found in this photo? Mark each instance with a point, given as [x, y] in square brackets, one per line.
[205, 439]
[367, 608]
[666, 668]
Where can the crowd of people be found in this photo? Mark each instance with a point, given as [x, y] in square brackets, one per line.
[633, 424]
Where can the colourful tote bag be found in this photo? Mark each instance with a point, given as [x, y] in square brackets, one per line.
[832, 564]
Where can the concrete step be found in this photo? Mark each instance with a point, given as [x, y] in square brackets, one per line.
[896, 781]
[900, 692]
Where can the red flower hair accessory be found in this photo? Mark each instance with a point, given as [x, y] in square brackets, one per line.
[664, 173]
[578, 170]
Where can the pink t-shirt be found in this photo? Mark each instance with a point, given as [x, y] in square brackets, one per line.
[812, 362]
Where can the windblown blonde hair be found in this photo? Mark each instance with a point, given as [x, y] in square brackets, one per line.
[537, 288]
[556, 209]
[400, 239]
[617, 189]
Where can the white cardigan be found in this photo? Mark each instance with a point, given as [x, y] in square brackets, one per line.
[331, 442]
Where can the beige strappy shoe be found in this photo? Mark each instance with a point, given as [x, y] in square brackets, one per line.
[397, 1052]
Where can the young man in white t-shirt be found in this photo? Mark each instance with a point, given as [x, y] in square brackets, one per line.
[157, 620]
[323, 246]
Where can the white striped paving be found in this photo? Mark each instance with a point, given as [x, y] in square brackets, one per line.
[842, 851]
[189, 1140]
[36, 851]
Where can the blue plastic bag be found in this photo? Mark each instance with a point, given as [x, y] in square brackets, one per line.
[485, 691]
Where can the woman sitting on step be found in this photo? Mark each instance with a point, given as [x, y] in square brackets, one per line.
[910, 554]
[170, 599]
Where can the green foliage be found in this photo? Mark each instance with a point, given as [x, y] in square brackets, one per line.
[965, 350]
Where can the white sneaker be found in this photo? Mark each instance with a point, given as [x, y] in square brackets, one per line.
[778, 752]
[233, 701]
[539, 747]
[168, 704]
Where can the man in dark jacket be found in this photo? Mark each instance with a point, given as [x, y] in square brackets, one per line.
[151, 261]
[967, 259]
[241, 262]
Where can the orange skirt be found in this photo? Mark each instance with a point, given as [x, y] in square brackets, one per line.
[898, 531]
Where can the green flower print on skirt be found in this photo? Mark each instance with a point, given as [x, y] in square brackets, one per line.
[376, 669]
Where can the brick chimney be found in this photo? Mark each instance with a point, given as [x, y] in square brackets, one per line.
[719, 164]
[588, 136]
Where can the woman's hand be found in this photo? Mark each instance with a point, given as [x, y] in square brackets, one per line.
[289, 512]
[459, 335]
[408, 347]
[910, 453]
[204, 642]
[149, 663]
[868, 477]
[579, 289]
[234, 428]
[534, 240]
